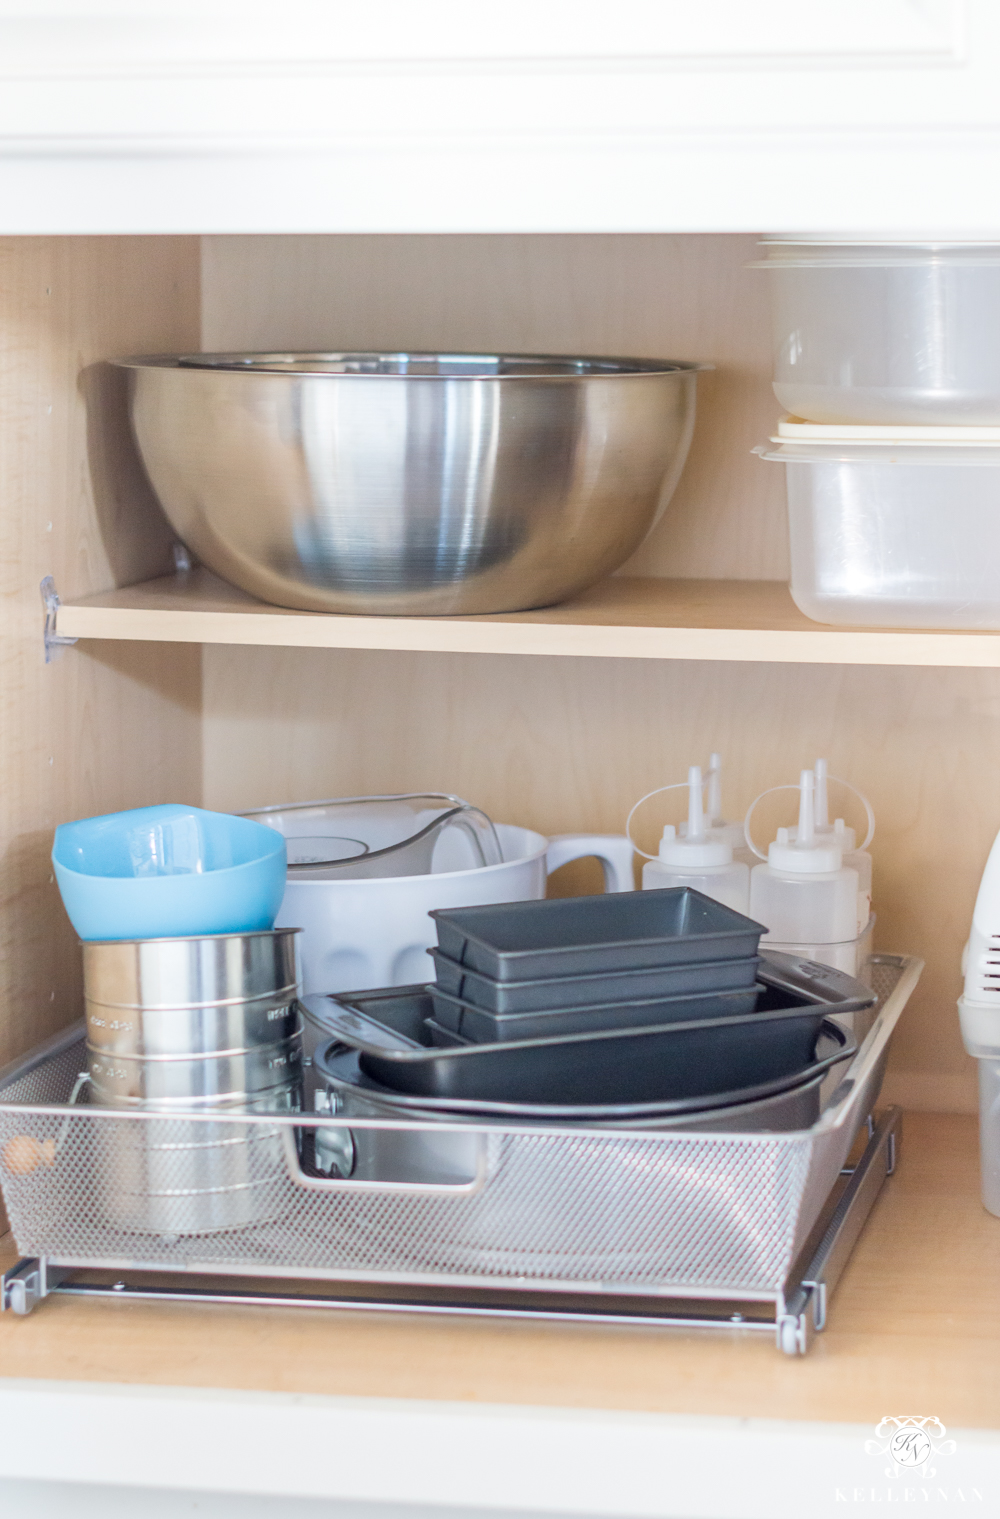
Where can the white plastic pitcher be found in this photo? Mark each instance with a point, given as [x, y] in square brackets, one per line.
[376, 932]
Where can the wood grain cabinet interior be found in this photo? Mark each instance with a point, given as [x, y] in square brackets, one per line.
[182, 689]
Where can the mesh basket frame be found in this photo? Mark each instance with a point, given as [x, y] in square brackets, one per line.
[642, 1214]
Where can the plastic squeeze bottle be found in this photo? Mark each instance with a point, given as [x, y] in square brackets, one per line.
[804, 893]
[857, 859]
[697, 859]
[716, 826]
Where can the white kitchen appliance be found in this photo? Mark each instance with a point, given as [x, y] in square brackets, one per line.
[979, 1013]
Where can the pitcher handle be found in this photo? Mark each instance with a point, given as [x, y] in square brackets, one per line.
[614, 851]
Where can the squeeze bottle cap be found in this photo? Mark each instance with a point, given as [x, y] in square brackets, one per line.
[806, 854]
[713, 800]
[716, 826]
[844, 836]
[696, 848]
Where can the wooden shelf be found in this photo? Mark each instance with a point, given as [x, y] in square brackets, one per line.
[620, 619]
[536, 1417]
[913, 1324]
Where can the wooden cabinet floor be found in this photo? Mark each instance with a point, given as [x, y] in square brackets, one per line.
[913, 1325]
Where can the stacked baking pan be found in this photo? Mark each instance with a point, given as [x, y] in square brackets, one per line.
[723, 1038]
[527, 969]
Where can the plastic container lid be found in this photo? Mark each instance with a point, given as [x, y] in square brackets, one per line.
[822, 443]
[793, 429]
[816, 250]
[838, 830]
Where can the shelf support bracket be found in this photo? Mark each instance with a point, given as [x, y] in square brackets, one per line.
[54, 642]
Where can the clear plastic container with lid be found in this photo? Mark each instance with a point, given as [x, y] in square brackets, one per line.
[893, 527]
[886, 332]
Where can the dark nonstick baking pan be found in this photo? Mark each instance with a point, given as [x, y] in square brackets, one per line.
[581, 936]
[690, 978]
[660, 1063]
[340, 1068]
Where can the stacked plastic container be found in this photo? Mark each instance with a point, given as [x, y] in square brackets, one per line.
[887, 359]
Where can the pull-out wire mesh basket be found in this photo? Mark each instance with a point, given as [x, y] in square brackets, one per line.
[595, 1212]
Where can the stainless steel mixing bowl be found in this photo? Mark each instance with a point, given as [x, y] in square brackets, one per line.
[411, 483]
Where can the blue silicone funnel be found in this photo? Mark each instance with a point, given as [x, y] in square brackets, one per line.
[168, 872]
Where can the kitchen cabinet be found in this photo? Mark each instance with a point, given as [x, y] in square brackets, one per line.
[181, 688]
[234, 714]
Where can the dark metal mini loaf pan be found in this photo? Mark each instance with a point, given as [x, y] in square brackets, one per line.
[479, 1026]
[581, 936]
[687, 979]
[651, 1064]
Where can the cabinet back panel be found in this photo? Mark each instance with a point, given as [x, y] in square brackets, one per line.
[569, 744]
[104, 726]
[680, 297]
[566, 744]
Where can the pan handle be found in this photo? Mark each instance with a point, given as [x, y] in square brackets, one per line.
[846, 1097]
[342, 1127]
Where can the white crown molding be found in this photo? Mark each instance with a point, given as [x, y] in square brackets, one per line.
[667, 183]
[146, 38]
[875, 113]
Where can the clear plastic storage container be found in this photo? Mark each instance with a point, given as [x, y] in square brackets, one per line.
[893, 528]
[886, 332]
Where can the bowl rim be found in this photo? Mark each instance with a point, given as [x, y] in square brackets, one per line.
[179, 875]
[280, 364]
[266, 855]
[222, 933]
